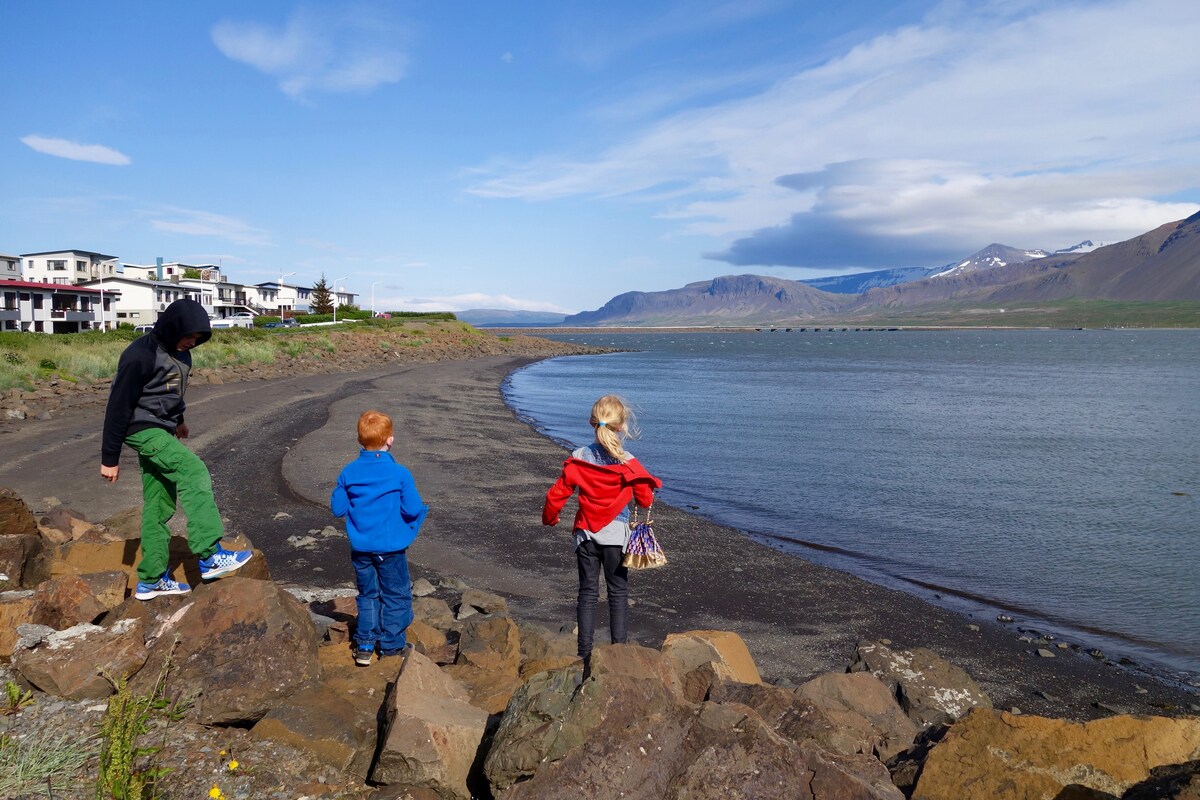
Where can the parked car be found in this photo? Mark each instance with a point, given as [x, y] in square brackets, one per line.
[285, 323]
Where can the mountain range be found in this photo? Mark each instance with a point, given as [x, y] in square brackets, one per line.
[1159, 266]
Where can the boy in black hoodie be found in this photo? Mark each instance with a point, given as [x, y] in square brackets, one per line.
[145, 411]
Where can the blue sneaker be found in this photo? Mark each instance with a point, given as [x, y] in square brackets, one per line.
[362, 656]
[223, 562]
[162, 586]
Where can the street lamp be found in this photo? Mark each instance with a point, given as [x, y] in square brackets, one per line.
[335, 295]
[279, 293]
[373, 285]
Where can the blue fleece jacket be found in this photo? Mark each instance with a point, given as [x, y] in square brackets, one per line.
[379, 500]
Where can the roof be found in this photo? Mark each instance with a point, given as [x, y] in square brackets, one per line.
[53, 287]
[100, 256]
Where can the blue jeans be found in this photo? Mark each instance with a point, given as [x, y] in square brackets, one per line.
[384, 601]
[591, 558]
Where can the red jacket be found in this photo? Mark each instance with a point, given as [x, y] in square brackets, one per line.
[604, 489]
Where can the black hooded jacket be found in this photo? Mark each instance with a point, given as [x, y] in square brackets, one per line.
[151, 378]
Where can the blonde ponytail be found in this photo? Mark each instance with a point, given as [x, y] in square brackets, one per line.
[614, 422]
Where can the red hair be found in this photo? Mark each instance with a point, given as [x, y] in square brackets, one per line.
[374, 428]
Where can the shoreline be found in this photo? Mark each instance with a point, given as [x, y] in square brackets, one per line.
[798, 618]
[485, 472]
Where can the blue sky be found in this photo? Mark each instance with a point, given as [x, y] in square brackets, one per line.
[549, 156]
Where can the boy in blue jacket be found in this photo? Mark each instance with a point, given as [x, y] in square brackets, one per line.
[383, 514]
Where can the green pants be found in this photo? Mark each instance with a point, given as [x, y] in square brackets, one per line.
[170, 471]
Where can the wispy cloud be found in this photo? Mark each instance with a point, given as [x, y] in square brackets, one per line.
[65, 148]
[1036, 124]
[609, 32]
[204, 223]
[319, 49]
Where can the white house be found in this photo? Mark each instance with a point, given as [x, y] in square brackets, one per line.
[10, 268]
[66, 267]
[43, 307]
[141, 300]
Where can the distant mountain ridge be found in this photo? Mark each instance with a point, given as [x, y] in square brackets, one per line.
[501, 317]
[1160, 265]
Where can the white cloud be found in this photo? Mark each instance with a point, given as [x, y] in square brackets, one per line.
[461, 302]
[65, 148]
[204, 223]
[1037, 123]
[319, 49]
[507, 58]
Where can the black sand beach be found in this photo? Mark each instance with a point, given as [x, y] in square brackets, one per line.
[276, 447]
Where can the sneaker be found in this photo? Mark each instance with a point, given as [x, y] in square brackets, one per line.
[363, 657]
[223, 562]
[162, 586]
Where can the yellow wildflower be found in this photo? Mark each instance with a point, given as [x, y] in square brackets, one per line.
[233, 765]
[216, 794]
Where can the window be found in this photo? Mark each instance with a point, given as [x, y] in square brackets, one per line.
[61, 281]
[80, 266]
[58, 266]
[122, 315]
[39, 326]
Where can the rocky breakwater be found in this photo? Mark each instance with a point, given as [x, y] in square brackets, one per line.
[267, 702]
[301, 353]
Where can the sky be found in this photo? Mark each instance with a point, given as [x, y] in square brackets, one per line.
[550, 155]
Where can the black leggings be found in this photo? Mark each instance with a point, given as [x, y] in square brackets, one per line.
[590, 558]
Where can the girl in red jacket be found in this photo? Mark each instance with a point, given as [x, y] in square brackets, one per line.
[607, 478]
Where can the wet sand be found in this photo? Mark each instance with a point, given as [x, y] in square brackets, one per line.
[275, 449]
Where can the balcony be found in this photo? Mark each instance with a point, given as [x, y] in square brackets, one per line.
[72, 315]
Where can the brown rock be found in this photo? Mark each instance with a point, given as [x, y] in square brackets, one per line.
[1172, 782]
[931, 690]
[16, 608]
[682, 752]
[15, 517]
[433, 612]
[547, 718]
[843, 713]
[241, 646]
[483, 602]
[490, 644]
[322, 723]
[993, 754]
[701, 656]
[17, 550]
[62, 524]
[490, 691]
[433, 733]
[71, 599]
[74, 663]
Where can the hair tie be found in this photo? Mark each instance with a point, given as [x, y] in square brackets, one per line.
[601, 424]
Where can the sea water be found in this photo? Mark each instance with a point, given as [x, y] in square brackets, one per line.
[1048, 475]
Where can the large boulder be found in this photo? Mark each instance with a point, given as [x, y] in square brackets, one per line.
[547, 718]
[702, 656]
[843, 713]
[337, 720]
[84, 661]
[711, 752]
[543, 649]
[433, 733]
[931, 690]
[71, 599]
[240, 646]
[997, 755]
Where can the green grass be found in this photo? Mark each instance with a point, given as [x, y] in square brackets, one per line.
[38, 762]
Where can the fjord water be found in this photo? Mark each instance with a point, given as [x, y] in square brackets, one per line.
[1049, 475]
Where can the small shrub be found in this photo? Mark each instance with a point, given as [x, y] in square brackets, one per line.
[47, 363]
